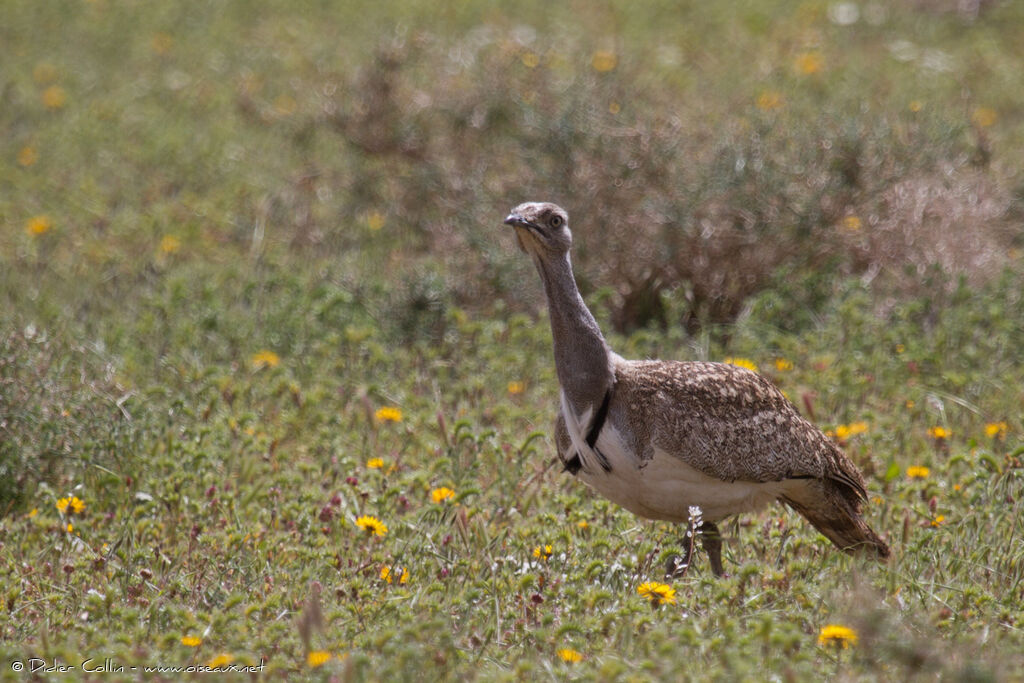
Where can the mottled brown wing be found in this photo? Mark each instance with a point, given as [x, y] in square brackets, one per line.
[727, 422]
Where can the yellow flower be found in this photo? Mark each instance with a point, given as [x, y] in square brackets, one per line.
[614, 108]
[33, 513]
[915, 106]
[939, 433]
[783, 365]
[285, 105]
[265, 359]
[530, 60]
[375, 463]
[387, 574]
[996, 430]
[567, 654]
[918, 472]
[852, 223]
[389, 414]
[858, 428]
[657, 593]
[839, 636]
[72, 505]
[220, 660]
[317, 658]
[583, 524]
[441, 494]
[741, 363]
[170, 244]
[375, 220]
[542, 552]
[27, 156]
[516, 388]
[372, 526]
[769, 100]
[983, 117]
[938, 520]
[70, 528]
[191, 641]
[604, 61]
[54, 97]
[809, 63]
[37, 225]
[161, 43]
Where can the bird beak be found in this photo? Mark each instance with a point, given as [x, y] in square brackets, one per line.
[515, 219]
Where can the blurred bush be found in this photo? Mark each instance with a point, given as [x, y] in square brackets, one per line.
[448, 137]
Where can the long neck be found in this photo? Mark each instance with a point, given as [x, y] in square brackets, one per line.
[582, 358]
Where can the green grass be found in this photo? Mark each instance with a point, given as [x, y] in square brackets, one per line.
[224, 181]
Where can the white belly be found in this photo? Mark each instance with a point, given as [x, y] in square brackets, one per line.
[665, 487]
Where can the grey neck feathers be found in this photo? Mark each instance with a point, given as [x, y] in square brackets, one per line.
[582, 357]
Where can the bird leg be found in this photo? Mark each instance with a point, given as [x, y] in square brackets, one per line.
[710, 540]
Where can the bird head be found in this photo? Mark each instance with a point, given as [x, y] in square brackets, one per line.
[541, 228]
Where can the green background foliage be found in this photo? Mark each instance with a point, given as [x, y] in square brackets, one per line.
[326, 181]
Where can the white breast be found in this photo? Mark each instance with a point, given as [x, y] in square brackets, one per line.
[665, 487]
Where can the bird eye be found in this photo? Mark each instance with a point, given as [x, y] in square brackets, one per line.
[556, 221]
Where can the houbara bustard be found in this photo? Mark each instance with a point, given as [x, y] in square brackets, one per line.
[662, 437]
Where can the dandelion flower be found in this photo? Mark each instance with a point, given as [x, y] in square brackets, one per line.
[542, 552]
[915, 106]
[54, 97]
[375, 220]
[657, 593]
[27, 156]
[390, 574]
[375, 463]
[388, 414]
[583, 524]
[783, 365]
[317, 658]
[191, 641]
[441, 494]
[614, 108]
[809, 63]
[939, 433]
[741, 363]
[838, 636]
[265, 359]
[769, 100]
[983, 117]
[170, 244]
[918, 472]
[220, 660]
[72, 505]
[996, 430]
[516, 388]
[604, 61]
[161, 43]
[372, 526]
[567, 654]
[37, 225]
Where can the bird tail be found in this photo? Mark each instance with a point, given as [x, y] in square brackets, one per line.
[834, 510]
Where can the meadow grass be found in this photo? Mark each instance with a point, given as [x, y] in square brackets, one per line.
[256, 291]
